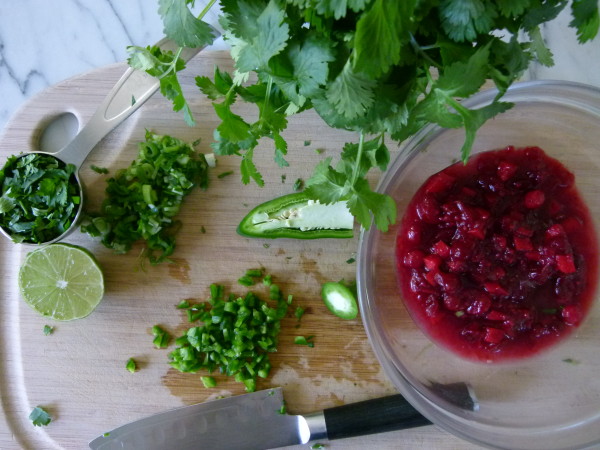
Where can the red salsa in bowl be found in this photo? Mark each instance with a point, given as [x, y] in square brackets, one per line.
[497, 258]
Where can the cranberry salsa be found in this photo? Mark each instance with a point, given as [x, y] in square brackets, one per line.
[497, 258]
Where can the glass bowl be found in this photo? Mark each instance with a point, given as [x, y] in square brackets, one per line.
[548, 401]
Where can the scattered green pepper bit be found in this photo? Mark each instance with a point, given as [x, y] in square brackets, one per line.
[299, 184]
[161, 337]
[183, 304]
[283, 177]
[246, 281]
[350, 260]
[306, 143]
[340, 299]
[236, 336]
[40, 417]
[301, 340]
[208, 382]
[317, 446]
[202, 229]
[283, 409]
[299, 313]
[107, 434]
[48, 330]
[571, 361]
[131, 365]
[224, 174]
[101, 170]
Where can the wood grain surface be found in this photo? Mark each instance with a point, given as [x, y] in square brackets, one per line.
[78, 372]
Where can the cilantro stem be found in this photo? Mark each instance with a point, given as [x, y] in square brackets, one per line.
[172, 65]
[361, 142]
[421, 51]
[206, 9]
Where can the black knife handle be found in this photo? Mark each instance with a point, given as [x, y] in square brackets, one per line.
[372, 416]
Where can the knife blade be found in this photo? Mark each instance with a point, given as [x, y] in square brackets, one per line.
[255, 422]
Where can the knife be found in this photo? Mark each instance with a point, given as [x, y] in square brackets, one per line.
[256, 421]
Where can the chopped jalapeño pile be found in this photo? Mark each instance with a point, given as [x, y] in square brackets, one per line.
[236, 335]
[143, 200]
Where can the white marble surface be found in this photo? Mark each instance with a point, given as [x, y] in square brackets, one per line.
[45, 41]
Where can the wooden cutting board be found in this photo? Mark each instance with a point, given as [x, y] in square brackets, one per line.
[78, 372]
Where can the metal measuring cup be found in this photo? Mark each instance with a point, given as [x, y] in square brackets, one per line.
[129, 93]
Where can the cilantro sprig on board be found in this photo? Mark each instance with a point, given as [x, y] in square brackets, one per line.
[380, 68]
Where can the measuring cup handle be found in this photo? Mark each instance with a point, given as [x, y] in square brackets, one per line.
[130, 92]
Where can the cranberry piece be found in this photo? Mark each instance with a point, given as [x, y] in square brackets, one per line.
[499, 242]
[480, 305]
[442, 249]
[493, 335]
[555, 230]
[506, 170]
[534, 199]
[413, 234]
[565, 263]
[414, 259]
[447, 281]
[522, 244]
[572, 315]
[428, 209]
[453, 302]
[432, 262]
[496, 316]
[494, 288]
[439, 182]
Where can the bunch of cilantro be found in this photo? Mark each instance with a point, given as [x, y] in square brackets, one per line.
[381, 68]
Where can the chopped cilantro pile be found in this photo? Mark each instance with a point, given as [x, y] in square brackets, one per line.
[143, 200]
[236, 335]
[40, 197]
[376, 67]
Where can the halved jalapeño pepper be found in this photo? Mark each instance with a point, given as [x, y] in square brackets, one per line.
[297, 216]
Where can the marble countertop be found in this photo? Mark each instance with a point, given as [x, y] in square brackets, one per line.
[42, 43]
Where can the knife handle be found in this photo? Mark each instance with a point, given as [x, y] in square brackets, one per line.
[372, 416]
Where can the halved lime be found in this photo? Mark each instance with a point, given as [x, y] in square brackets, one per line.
[61, 281]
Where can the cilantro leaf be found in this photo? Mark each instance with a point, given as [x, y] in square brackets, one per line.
[181, 26]
[339, 8]
[327, 184]
[351, 93]
[365, 201]
[586, 19]
[248, 169]
[310, 60]
[512, 8]
[269, 37]
[233, 128]
[379, 35]
[462, 79]
[538, 46]
[464, 20]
